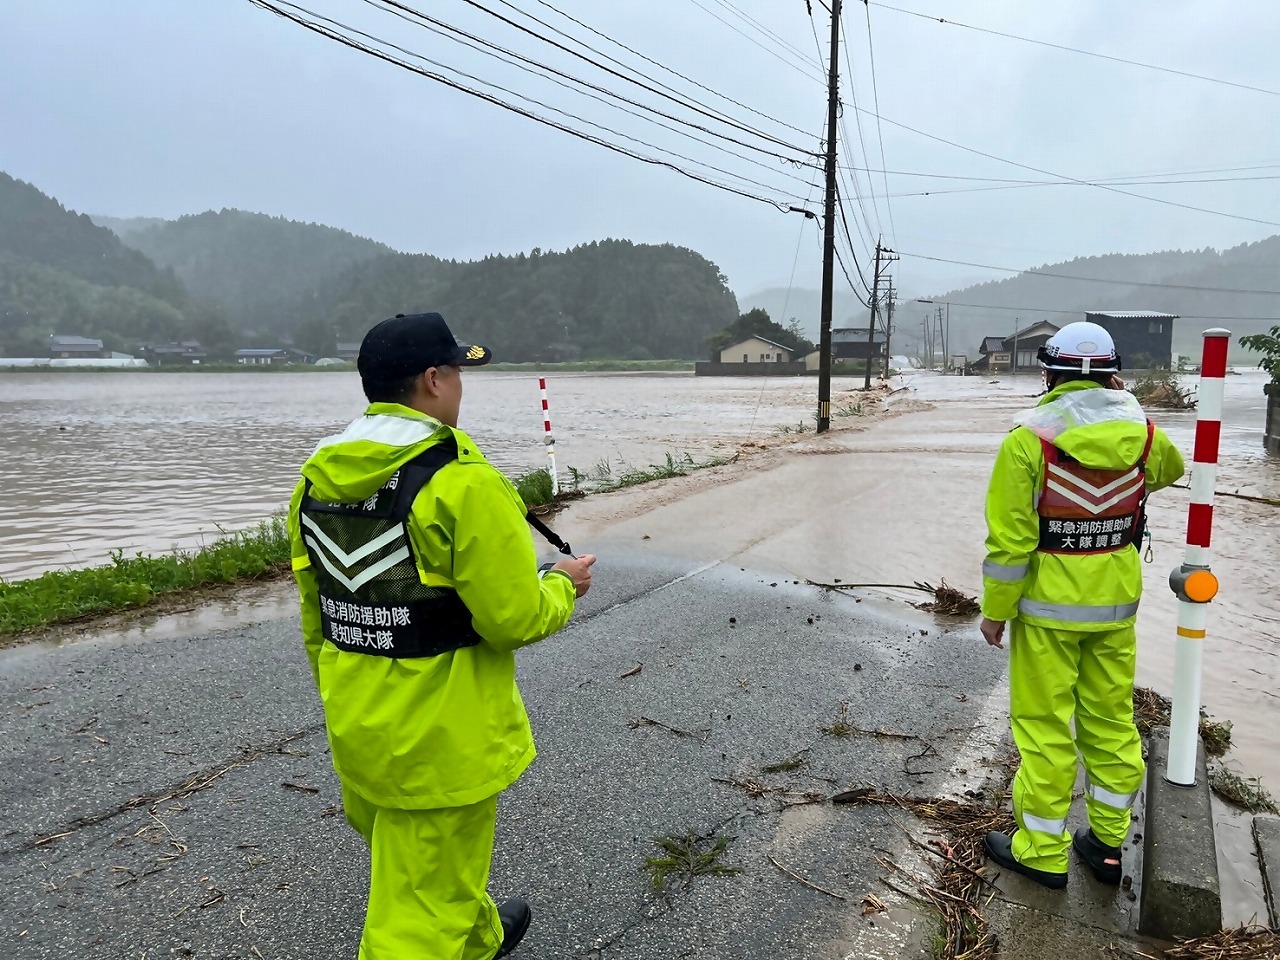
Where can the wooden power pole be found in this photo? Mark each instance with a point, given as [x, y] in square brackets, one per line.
[829, 227]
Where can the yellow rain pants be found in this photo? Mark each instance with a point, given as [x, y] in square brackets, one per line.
[1055, 675]
[427, 882]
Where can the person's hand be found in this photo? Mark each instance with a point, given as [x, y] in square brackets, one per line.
[579, 571]
[1115, 383]
[993, 631]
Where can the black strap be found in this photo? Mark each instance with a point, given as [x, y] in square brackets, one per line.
[548, 534]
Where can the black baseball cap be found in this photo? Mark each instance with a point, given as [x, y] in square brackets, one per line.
[408, 344]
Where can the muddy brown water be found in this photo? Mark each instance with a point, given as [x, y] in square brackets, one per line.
[95, 462]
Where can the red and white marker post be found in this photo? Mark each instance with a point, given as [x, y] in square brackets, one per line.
[548, 439]
[1193, 582]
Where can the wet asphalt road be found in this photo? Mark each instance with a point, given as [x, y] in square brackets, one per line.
[195, 813]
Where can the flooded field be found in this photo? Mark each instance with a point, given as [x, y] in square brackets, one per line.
[96, 462]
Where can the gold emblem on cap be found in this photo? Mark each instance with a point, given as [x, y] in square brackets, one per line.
[475, 353]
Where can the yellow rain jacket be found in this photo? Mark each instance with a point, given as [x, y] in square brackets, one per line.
[449, 730]
[1104, 430]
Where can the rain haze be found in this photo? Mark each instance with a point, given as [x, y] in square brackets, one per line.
[159, 109]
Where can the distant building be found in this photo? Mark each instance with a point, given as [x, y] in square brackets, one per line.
[1021, 347]
[76, 348]
[756, 350]
[263, 356]
[174, 353]
[857, 343]
[348, 351]
[1144, 338]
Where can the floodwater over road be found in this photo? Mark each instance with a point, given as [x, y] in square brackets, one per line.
[96, 462]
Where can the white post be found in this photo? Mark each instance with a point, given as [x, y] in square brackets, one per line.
[548, 439]
[1193, 582]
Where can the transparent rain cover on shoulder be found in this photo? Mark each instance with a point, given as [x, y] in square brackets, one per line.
[1082, 408]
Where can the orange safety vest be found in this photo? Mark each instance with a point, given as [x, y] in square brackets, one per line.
[1084, 510]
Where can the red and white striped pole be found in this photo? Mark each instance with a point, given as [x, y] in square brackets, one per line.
[548, 439]
[1193, 582]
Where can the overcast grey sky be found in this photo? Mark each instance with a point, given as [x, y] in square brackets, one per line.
[166, 107]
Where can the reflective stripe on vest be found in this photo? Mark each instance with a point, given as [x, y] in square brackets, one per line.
[1085, 510]
[1076, 613]
[371, 596]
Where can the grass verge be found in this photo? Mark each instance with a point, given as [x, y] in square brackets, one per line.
[61, 596]
[598, 366]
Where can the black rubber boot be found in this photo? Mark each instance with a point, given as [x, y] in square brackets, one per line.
[1000, 849]
[515, 916]
[1095, 853]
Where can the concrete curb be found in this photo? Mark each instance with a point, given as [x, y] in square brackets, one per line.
[1266, 834]
[1180, 892]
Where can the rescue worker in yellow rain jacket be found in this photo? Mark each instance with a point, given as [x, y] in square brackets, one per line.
[1065, 518]
[418, 581]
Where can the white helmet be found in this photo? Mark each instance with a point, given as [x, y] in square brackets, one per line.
[1080, 348]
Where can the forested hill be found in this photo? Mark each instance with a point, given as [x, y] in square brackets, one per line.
[62, 274]
[611, 298]
[1151, 281]
[1154, 281]
[36, 228]
[258, 267]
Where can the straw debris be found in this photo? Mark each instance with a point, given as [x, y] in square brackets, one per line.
[1152, 710]
[1247, 793]
[956, 891]
[950, 602]
[1252, 942]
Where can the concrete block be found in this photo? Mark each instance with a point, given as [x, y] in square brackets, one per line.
[1180, 894]
[1266, 834]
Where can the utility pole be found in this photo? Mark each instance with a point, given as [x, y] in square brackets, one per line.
[884, 256]
[888, 331]
[829, 227]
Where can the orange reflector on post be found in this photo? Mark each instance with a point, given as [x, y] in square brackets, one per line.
[1201, 586]
[1190, 634]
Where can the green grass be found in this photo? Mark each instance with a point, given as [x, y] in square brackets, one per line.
[63, 595]
[688, 856]
[600, 366]
[200, 368]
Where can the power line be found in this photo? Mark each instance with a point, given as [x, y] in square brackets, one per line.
[1087, 53]
[766, 32]
[720, 113]
[346, 41]
[553, 109]
[426, 18]
[1108, 179]
[851, 179]
[1034, 272]
[660, 66]
[993, 306]
[773, 53]
[1050, 173]
[1073, 183]
[875, 90]
[532, 67]
[862, 140]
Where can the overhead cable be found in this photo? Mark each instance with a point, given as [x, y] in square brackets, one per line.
[1087, 53]
[773, 53]
[1035, 272]
[675, 73]
[331, 34]
[427, 18]
[533, 68]
[875, 91]
[1050, 173]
